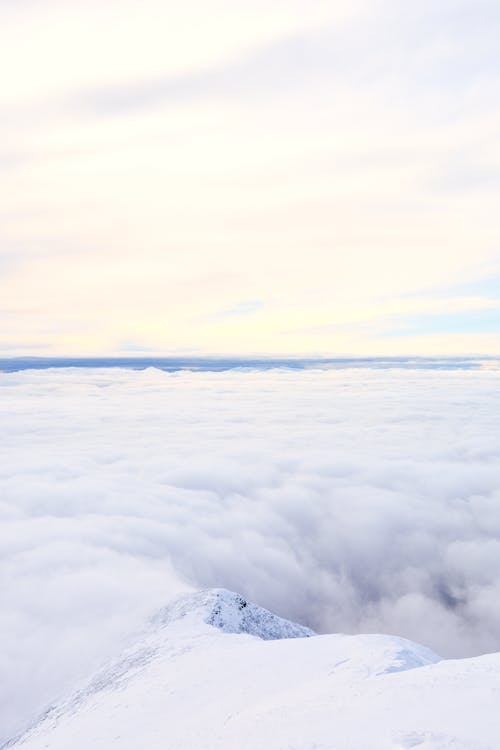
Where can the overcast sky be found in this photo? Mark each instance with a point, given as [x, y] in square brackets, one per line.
[226, 176]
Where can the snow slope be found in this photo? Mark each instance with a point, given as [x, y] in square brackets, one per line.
[213, 671]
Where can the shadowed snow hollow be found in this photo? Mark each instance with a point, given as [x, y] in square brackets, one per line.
[213, 672]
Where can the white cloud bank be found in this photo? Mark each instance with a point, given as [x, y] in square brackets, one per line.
[351, 500]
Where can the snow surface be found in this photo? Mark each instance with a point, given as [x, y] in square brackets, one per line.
[213, 671]
[230, 613]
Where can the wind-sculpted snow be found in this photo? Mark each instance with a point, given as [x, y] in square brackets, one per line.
[349, 501]
[204, 625]
[197, 679]
[231, 613]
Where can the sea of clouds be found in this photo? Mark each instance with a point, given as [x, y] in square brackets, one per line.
[351, 500]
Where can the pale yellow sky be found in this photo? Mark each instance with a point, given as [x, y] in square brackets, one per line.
[236, 177]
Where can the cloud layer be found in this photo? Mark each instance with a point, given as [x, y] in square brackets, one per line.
[349, 500]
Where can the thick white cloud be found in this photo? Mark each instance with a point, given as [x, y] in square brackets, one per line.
[351, 500]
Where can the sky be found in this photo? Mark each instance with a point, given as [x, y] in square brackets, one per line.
[265, 177]
[356, 501]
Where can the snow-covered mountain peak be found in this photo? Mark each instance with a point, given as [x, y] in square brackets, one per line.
[229, 612]
[196, 680]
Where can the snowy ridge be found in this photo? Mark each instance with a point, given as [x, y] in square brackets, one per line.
[231, 613]
[214, 672]
[188, 617]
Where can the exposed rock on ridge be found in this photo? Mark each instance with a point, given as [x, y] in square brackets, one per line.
[231, 613]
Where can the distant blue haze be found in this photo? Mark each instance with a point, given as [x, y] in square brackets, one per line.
[220, 364]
